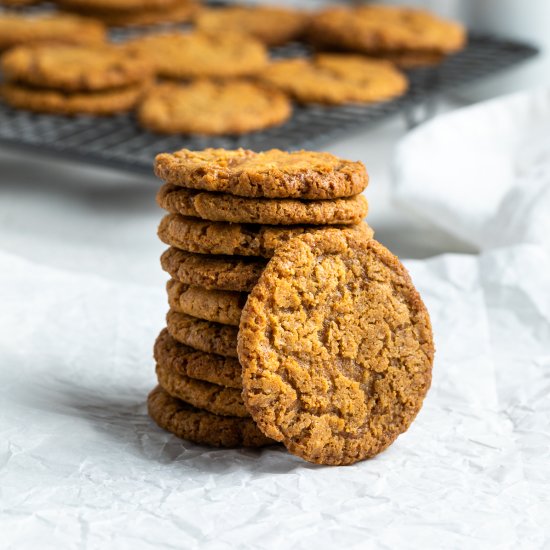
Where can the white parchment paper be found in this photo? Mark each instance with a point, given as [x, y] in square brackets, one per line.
[82, 466]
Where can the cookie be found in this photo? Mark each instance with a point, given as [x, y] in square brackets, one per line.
[206, 237]
[203, 395]
[334, 79]
[178, 12]
[75, 67]
[106, 102]
[272, 25]
[219, 306]
[224, 371]
[411, 59]
[230, 208]
[18, 29]
[202, 335]
[213, 272]
[373, 28]
[336, 348]
[273, 174]
[213, 108]
[187, 422]
[128, 5]
[199, 55]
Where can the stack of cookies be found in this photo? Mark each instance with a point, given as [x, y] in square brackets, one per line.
[70, 79]
[287, 321]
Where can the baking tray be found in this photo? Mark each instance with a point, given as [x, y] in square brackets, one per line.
[118, 142]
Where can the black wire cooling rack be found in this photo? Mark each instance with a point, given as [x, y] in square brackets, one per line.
[118, 142]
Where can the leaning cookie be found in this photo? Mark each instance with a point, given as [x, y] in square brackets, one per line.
[335, 79]
[337, 358]
[230, 208]
[213, 108]
[206, 237]
[199, 426]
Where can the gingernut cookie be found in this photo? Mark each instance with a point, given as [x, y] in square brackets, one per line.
[213, 272]
[203, 395]
[273, 174]
[272, 25]
[106, 102]
[206, 237]
[230, 208]
[200, 55]
[18, 29]
[187, 422]
[219, 306]
[336, 348]
[202, 335]
[213, 108]
[334, 79]
[372, 28]
[75, 68]
[224, 371]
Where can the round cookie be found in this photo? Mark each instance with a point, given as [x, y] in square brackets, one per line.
[272, 25]
[411, 59]
[334, 79]
[202, 335]
[213, 272]
[230, 208]
[200, 55]
[219, 306]
[187, 422]
[224, 371]
[372, 28]
[75, 67]
[18, 29]
[274, 174]
[336, 348]
[128, 5]
[105, 102]
[206, 237]
[179, 12]
[203, 395]
[213, 108]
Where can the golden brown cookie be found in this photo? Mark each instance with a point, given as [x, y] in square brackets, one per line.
[75, 68]
[105, 102]
[219, 306]
[213, 108]
[272, 25]
[200, 55]
[213, 272]
[224, 371]
[336, 348]
[273, 174]
[206, 237]
[230, 208]
[202, 335]
[334, 79]
[373, 28]
[187, 422]
[411, 59]
[18, 29]
[177, 12]
[203, 395]
[116, 4]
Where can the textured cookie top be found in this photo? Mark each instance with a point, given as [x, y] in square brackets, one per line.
[213, 108]
[196, 54]
[372, 28]
[334, 79]
[24, 29]
[269, 24]
[187, 422]
[273, 174]
[75, 67]
[230, 208]
[117, 4]
[336, 348]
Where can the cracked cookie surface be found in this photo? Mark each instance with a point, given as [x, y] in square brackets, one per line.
[336, 348]
[187, 422]
[230, 208]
